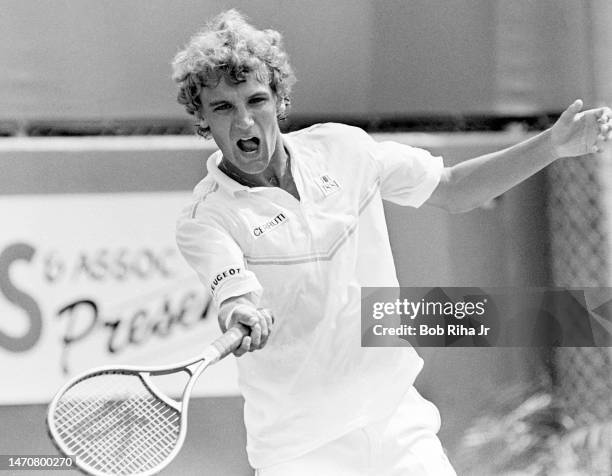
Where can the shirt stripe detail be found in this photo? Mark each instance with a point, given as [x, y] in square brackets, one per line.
[321, 256]
[194, 210]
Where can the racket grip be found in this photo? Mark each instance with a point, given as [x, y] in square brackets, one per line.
[231, 339]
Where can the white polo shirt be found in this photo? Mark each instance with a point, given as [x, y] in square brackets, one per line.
[307, 259]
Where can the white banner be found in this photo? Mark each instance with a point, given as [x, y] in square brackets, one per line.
[95, 279]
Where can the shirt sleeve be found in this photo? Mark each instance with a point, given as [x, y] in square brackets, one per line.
[408, 175]
[212, 252]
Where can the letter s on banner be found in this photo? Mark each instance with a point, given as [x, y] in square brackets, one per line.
[15, 252]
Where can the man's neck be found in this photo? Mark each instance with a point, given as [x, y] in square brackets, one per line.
[277, 174]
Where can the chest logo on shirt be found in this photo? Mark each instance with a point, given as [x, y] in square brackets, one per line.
[266, 227]
[327, 184]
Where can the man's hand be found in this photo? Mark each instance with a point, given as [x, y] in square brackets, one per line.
[580, 133]
[259, 320]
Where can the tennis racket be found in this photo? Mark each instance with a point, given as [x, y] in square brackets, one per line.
[115, 421]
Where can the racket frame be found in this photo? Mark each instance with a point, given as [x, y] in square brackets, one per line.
[214, 352]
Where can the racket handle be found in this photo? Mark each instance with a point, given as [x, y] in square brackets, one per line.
[231, 339]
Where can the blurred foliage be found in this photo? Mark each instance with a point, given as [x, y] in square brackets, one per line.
[526, 434]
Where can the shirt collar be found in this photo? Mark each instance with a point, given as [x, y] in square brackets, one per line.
[229, 184]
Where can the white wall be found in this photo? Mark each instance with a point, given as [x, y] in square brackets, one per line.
[100, 59]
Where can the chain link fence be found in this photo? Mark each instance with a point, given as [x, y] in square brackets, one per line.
[582, 383]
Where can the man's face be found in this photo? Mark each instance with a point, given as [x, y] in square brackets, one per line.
[242, 121]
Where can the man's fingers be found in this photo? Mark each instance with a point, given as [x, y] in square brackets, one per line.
[265, 328]
[245, 346]
[260, 323]
[603, 115]
[266, 322]
[255, 333]
[269, 318]
[604, 136]
[573, 109]
[604, 121]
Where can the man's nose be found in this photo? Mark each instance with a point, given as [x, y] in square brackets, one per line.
[243, 119]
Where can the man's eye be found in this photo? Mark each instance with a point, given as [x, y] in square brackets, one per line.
[222, 107]
[257, 100]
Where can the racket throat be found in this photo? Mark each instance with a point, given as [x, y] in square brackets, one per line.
[154, 389]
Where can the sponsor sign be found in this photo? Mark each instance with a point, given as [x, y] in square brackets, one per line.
[96, 279]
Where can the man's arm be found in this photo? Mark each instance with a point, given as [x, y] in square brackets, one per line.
[209, 248]
[473, 182]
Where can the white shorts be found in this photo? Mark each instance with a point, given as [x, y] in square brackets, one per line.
[403, 444]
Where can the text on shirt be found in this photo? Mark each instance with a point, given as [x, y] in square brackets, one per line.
[277, 220]
[221, 276]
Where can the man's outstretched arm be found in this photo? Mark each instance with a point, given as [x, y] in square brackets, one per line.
[473, 182]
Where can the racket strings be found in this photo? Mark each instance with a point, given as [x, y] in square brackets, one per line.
[110, 422]
[115, 425]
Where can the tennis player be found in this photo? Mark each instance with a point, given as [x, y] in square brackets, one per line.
[286, 228]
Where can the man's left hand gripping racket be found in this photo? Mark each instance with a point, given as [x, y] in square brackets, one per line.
[116, 422]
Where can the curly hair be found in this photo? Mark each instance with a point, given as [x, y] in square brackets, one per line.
[231, 48]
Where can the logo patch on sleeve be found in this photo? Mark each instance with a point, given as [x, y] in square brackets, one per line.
[266, 227]
[327, 184]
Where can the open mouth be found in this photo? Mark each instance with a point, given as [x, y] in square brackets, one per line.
[250, 144]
